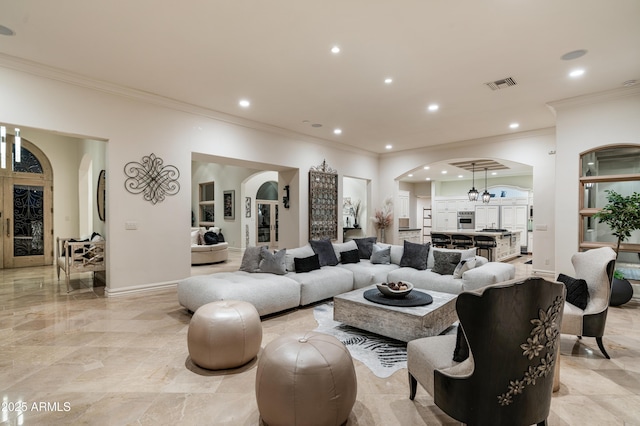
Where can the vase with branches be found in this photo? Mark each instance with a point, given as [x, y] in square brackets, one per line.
[356, 213]
[383, 217]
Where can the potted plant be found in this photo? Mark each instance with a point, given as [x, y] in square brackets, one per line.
[622, 214]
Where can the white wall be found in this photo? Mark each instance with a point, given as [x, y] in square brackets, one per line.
[583, 124]
[135, 125]
[531, 148]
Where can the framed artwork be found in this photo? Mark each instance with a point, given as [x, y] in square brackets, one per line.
[247, 207]
[229, 200]
[323, 202]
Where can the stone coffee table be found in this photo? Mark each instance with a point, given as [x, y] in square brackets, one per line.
[400, 323]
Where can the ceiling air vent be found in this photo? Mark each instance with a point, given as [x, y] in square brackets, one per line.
[501, 84]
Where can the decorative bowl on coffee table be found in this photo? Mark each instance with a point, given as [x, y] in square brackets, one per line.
[388, 291]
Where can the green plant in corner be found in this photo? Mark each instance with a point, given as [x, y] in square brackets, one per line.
[622, 214]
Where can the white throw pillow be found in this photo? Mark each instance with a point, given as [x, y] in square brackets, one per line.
[194, 237]
[463, 266]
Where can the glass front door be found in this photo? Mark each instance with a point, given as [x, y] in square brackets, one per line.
[267, 223]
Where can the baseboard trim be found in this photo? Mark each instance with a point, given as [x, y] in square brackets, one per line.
[145, 288]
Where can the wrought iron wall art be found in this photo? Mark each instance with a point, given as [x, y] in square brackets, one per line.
[152, 178]
[323, 202]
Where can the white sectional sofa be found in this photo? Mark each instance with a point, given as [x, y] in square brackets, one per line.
[271, 292]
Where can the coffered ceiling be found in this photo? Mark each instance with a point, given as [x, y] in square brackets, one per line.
[485, 64]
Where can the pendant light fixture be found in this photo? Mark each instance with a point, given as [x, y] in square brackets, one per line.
[473, 192]
[486, 197]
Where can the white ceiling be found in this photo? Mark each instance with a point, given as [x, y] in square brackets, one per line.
[277, 54]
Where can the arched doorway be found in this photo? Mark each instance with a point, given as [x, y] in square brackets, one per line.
[267, 215]
[26, 188]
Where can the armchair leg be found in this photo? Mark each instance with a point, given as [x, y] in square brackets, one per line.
[413, 387]
[601, 346]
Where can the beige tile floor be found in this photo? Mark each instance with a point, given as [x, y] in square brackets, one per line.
[86, 359]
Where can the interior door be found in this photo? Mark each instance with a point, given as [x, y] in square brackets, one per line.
[267, 223]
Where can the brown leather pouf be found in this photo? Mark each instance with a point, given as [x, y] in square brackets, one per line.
[305, 379]
[225, 334]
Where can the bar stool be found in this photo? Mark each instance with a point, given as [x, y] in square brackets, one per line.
[484, 242]
[440, 240]
[462, 241]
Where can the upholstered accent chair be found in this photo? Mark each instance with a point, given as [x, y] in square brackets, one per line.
[596, 267]
[513, 332]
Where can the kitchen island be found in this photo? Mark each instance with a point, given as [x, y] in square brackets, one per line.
[507, 242]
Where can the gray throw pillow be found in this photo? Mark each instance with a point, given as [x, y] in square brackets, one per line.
[251, 259]
[445, 262]
[365, 246]
[325, 252]
[273, 263]
[381, 255]
[415, 255]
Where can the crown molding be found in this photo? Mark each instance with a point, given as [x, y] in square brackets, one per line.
[594, 98]
[51, 73]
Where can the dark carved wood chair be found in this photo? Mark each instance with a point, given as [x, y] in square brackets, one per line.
[513, 332]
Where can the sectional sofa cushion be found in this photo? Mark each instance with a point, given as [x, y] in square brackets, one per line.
[300, 252]
[380, 255]
[307, 264]
[365, 246]
[251, 259]
[323, 283]
[273, 263]
[342, 247]
[415, 255]
[324, 249]
[445, 262]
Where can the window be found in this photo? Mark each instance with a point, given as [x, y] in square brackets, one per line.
[614, 168]
[207, 204]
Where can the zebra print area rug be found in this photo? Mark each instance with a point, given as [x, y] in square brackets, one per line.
[382, 355]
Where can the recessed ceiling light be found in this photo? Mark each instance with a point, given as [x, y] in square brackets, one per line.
[576, 73]
[444, 172]
[575, 54]
[410, 175]
[459, 176]
[337, 131]
[316, 125]
[335, 49]
[433, 107]
[244, 103]
[591, 163]
[6, 31]
[426, 167]
[388, 80]
[514, 125]
[428, 179]
[494, 173]
[389, 146]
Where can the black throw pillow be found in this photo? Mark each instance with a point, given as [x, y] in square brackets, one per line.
[324, 250]
[365, 246]
[461, 352]
[220, 237]
[577, 290]
[306, 264]
[351, 256]
[210, 238]
[415, 255]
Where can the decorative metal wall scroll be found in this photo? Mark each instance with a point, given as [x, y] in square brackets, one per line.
[323, 202]
[152, 178]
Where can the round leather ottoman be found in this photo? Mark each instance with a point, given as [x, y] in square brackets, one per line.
[305, 378]
[224, 334]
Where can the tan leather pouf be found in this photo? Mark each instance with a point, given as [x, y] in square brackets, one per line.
[305, 378]
[224, 334]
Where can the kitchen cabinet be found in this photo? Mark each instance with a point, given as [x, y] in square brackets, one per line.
[514, 218]
[487, 216]
[446, 220]
[403, 198]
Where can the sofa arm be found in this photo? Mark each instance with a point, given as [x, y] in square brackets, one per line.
[487, 274]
